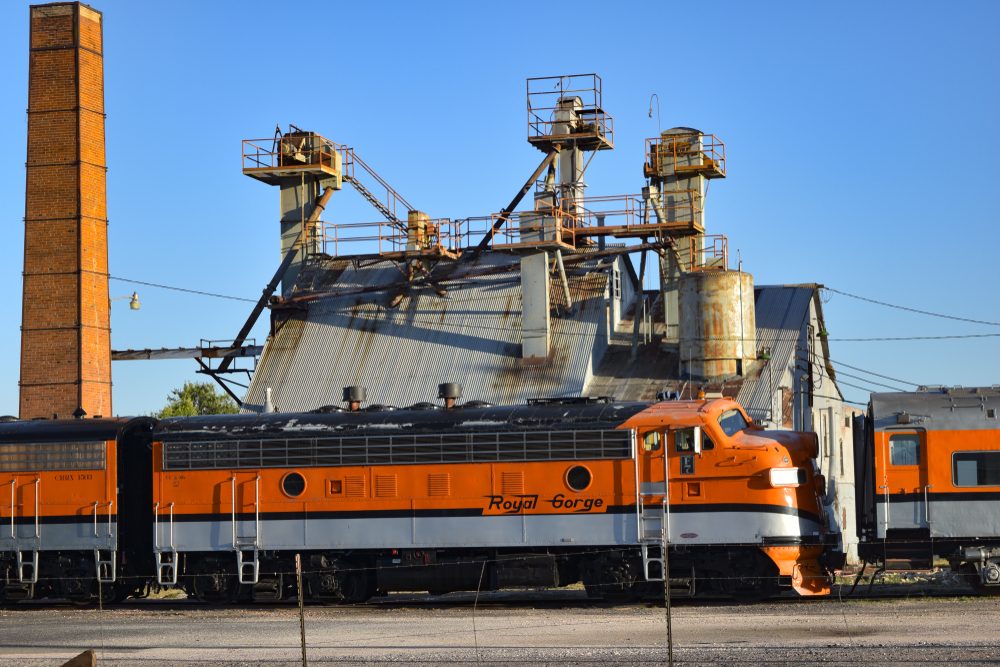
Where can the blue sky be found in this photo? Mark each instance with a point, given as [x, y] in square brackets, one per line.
[861, 142]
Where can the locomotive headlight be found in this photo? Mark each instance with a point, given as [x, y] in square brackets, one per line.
[788, 476]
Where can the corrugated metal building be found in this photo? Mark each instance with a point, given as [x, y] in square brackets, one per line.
[472, 335]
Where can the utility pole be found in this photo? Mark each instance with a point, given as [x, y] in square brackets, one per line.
[302, 613]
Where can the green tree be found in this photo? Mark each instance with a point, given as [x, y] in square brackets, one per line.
[197, 398]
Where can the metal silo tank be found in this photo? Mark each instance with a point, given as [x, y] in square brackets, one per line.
[717, 336]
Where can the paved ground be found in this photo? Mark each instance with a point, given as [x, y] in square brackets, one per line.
[928, 632]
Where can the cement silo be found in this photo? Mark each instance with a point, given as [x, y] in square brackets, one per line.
[717, 336]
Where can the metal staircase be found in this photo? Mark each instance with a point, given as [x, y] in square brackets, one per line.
[388, 208]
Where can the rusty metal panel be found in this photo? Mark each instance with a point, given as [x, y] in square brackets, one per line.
[400, 355]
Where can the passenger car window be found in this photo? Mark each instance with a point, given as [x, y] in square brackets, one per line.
[976, 469]
[904, 449]
[732, 422]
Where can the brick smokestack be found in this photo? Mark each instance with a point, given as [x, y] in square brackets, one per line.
[65, 332]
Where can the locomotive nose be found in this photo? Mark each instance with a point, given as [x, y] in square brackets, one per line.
[810, 444]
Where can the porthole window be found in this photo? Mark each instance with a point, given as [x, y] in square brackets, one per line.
[293, 484]
[578, 478]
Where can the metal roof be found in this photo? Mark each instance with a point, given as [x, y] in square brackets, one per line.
[942, 409]
[781, 311]
[400, 355]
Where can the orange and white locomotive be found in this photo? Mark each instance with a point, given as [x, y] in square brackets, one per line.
[472, 497]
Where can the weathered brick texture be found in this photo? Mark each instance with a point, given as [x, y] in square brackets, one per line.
[65, 333]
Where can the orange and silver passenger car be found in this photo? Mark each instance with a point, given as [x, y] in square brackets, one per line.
[479, 497]
[928, 476]
[64, 525]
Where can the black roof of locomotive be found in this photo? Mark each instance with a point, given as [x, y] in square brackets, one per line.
[67, 430]
[459, 419]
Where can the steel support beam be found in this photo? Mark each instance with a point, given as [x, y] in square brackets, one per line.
[273, 285]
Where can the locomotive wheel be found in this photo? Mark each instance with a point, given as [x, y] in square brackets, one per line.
[108, 594]
[356, 586]
[972, 576]
[214, 588]
[752, 587]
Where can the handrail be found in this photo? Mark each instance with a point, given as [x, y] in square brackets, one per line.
[638, 496]
[232, 481]
[256, 508]
[156, 527]
[38, 482]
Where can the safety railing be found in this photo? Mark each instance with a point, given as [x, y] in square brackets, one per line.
[294, 149]
[441, 236]
[394, 204]
[692, 153]
[706, 252]
[568, 108]
[546, 227]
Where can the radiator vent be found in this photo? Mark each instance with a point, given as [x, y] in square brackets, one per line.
[354, 486]
[512, 482]
[439, 484]
[385, 486]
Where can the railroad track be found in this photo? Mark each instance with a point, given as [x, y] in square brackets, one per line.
[495, 602]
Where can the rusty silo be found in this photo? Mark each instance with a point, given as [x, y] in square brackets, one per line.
[717, 337]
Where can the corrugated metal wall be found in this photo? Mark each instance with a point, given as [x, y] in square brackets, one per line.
[472, 336]
[781, 314]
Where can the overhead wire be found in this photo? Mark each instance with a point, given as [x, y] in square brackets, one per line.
[181, 289]
[867, 372]
[912, 310]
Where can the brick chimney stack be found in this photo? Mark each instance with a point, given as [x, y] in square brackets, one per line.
[65, 332]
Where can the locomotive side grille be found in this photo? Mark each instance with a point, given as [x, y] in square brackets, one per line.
[512, 482]
[385, 486]
[354, 486]
[400, 449]
[439, 484]
[31, 457]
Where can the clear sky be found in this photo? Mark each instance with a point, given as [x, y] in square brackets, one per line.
[862, 143]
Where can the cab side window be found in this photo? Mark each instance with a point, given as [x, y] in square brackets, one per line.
[652, 441]
[706, 442]
[684, 440]
[904, 449]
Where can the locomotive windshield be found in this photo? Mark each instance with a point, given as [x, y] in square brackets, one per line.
[732, 422]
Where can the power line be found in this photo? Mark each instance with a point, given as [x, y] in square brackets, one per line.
[912, 310]
[858, 377]
[863, 340]
[181, 289]
[865, 389]
[915, 384]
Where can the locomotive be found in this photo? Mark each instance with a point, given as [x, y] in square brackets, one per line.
[928, 479]
[626, 497]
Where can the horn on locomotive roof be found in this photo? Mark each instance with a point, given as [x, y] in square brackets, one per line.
[268, 405]
[450, 392]
[354, 396]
